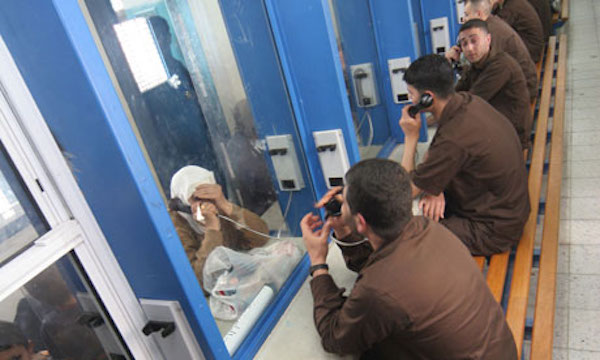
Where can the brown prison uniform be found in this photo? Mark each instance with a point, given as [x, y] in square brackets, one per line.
[521, 16]
[420, 296]
[542, 8]
[198, 246]
[475, 158]
[498, 79]
[504, 38]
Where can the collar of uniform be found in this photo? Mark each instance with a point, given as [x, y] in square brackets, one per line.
[455, 102]
[481, 63]
[414, 226]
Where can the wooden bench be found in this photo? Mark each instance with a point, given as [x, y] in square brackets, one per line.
[563, 15]
[508, 274]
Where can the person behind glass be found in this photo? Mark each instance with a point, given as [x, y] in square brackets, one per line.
[14, 345]
[183, 135]
[473, 176]
[404, 304]
[494, 76]
[196, 206]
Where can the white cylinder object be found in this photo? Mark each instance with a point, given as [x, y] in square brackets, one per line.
[246, 321]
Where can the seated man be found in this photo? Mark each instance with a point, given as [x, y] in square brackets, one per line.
[544, 12]
[495, 77]
[521, 16]
[197, 207]
[419, 295]
[473, 177]
[504, 39]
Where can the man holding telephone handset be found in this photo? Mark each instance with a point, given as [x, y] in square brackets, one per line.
[473, 179]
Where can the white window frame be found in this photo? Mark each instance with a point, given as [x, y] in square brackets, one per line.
[35, 154]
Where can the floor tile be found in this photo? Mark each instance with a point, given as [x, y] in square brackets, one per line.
[579, 209]
[584, 330]
[582, 232]
[581, 187]
[582, 169]
[584, 292]
[584, 152]
[585, 259]
[562, 291]
[561, 327]
[564, 257]
[586, 138]
[583, 355]
[560, 354]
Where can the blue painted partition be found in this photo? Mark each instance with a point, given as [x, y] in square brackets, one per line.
[432, 9]
[397, 35]
[56, 54]
[258, 62]
[355, 27]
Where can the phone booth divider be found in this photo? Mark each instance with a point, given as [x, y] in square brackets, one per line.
[59, 60]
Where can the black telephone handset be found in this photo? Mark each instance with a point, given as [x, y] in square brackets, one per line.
[424, 102]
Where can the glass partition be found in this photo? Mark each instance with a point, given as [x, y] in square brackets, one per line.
[177, 72]
[55, 316]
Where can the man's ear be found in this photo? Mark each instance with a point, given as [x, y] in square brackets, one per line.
[361, 223]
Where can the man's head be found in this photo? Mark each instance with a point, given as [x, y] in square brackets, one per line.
[430, 74]
[13, 344]
[477, 9]
[474, 39]
[377, 197]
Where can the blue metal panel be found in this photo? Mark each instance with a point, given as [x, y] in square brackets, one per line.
[394, 26]
[357, 39]
[307, 50]
[432, 9]
[250, 34]
[58, 59]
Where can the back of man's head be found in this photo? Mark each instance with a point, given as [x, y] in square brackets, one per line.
[475, 24]
[11, 335]
[484, 6]
[380, 191]
[431, 73]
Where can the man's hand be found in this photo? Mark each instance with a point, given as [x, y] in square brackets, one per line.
[410, 125]
[335, 222]
[453, 54]
[433, 206]
[209, 211]
[214, 193]
[315, 239]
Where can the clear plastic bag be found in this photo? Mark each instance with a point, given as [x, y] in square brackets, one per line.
[234, 278]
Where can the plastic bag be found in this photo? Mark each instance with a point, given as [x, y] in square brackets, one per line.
[234, 278]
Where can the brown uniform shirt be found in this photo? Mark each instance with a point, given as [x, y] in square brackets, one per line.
[420, 296]
[505, 39]
[198, 246]
[521, 16]
[475, 158]
[542, 8]
[498, 79]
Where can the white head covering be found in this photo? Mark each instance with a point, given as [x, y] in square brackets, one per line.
[183, 185]
[184, 182]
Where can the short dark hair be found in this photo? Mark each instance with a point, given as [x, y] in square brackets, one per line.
[11, 335]
[475, 24]
[380, 190]
[482, 5]
[433, 73]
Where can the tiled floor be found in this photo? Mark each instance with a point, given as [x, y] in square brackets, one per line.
[577, 316]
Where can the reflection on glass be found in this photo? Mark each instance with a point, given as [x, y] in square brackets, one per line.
[197, 127]
[54, 317]
[20, 220]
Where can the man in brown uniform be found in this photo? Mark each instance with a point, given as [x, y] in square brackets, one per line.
[404, 304]
[542, 8]
[495, 77]
[521, 16]
[473, 176]
[504, 38]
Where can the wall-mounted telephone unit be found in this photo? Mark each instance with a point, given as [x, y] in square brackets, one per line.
[397, 68]
[460, 11]
[440, 35]
[285, 162]
[333, 157]
[365, 89]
